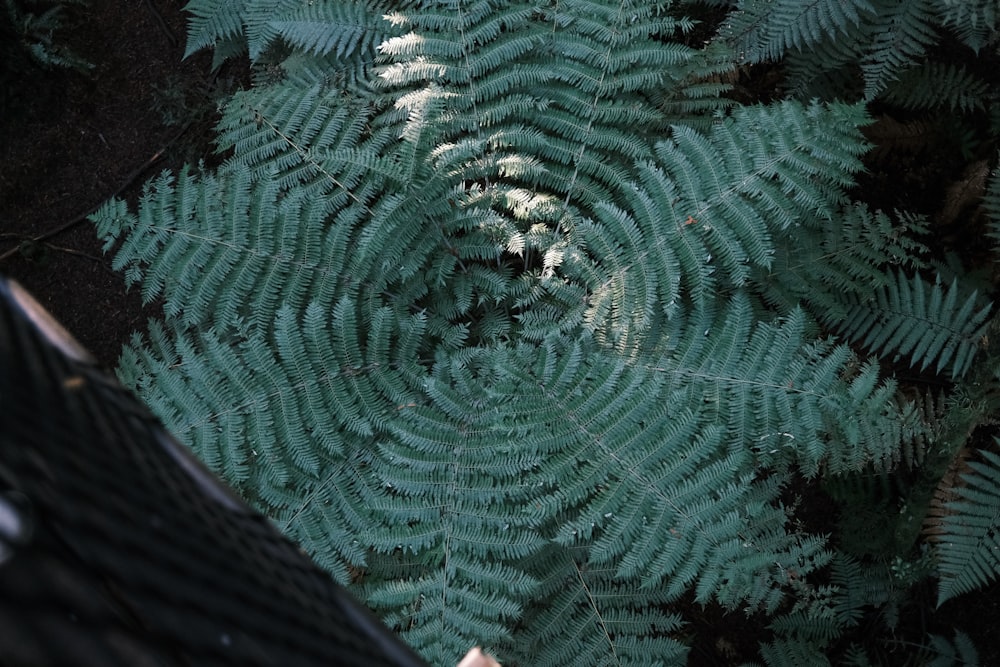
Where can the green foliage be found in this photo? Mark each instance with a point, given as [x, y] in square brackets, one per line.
[991, 203]
[923, 322]
[947, 653]
[29, 28]
[846, 256]
[835, 41]
[866, 49]
[763, 31]
[522, 331]
[966, 535]
[320, 28]
[901, 33]
[974, 21]
[788, 653]
[936, 85]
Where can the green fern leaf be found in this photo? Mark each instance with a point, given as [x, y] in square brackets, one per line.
[974, 21]
[901, 35]
[968, 542]
[788, 653]
[762, 30]
[338, 28]
[924, 323]
[820, 265]
[960, 652]
[589, 617]
[723, 197]
[212, 21]
[991, 203]
[343, 29]
[936, 85]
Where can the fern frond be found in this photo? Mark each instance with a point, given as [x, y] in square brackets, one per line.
[924, 323]
[901, 34]
[590, 617]
[936, 85]
[946, 492]
[792, 652]
[828, 43]
[991, 203]
[974, 21]
[338, 28]
[967, 542]
[824, 611]
[762, 30]
[698, 87]
[773, 393]
[889, 37]
[479, 321]
[306, 134]
[960, 652]
[826, 70]
[207, 254]
[213, 21]
[501, 66]
[821, 266]
[341, 28]
[704, 214]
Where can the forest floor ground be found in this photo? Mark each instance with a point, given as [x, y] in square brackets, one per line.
[70, 141]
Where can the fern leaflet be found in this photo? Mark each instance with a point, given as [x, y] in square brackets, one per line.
[924, 323]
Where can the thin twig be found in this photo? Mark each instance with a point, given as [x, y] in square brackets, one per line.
[24, 238]
[171, 37]
[77, 253]
[132, 176]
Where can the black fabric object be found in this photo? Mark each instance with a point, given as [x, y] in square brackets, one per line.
[117, 547]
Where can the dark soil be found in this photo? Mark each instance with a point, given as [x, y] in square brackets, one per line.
[71, 140]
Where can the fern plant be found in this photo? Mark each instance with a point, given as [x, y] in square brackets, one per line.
[29, 30]
[490, 307]
[866, 48]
